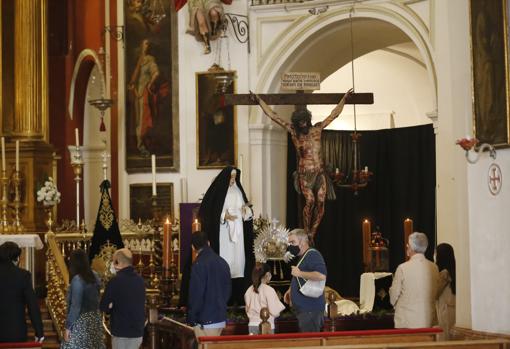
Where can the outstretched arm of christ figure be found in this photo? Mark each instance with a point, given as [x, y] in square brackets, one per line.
[269, 112]
[337, 110]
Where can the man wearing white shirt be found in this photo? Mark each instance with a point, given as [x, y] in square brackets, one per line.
[413, 290]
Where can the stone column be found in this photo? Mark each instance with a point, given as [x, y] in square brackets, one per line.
[30, 70]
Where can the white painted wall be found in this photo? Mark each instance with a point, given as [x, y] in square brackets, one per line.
[400, 85]
[489, 242]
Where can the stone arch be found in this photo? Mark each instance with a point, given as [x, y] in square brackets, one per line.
[304, 36]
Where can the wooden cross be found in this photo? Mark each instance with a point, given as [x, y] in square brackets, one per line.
[300, 81]
[299, 98]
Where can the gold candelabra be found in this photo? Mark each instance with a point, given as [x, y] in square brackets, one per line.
[4, 224]
[17, 226]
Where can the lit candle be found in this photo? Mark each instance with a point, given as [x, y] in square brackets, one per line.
[77, 137]
[167, 244]
[408, 230]
[366, 168]
[196, 226]
[3, 154]
[153, 161]
[17, 155]
[367, 231]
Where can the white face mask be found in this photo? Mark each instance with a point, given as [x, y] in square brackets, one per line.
[113, 271]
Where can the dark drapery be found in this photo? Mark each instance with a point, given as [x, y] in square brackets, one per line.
[403, 185]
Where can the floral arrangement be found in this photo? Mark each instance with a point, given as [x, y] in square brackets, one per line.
[48, 194]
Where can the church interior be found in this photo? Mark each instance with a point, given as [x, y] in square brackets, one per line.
[117, 116]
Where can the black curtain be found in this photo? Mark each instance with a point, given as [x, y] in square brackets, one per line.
[403, 185]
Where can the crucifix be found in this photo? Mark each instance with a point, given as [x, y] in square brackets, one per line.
[310, 179]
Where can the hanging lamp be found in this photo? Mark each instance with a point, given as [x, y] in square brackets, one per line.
[358, 177]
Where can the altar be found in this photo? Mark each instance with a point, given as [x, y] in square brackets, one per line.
[28, 244]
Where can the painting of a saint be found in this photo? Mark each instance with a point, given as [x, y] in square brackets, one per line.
[151, 85]
[490, 76]
[216, 131]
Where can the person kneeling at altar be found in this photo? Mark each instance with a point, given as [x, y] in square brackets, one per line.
[16, 293]
[413, 290]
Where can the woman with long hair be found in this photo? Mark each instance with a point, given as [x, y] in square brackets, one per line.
[260, 295]
[83, 323]
[445, 304]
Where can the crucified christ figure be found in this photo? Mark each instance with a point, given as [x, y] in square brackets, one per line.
[312, 181]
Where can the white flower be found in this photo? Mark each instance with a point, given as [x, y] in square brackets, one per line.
[48, 193]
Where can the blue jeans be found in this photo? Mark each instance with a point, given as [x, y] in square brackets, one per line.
[310, 321]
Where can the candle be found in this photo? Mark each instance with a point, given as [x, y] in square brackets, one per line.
[366, 168]
[196, 226]
[408, 230]
[3, 154]
[77, 137]
[167, 245]
[153, 161]
[17, 155]
[367, 231]
[184, 190]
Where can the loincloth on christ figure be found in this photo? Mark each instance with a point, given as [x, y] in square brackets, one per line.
[313, 180]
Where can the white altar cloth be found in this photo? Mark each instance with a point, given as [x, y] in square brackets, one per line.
[28, 242]
[23, 240]
[367, 290]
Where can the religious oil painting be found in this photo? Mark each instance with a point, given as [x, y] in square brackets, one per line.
[489, 37]
[140, 201]
[216, 124]
[151, 85]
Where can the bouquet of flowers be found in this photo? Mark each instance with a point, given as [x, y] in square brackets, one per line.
[48, 194]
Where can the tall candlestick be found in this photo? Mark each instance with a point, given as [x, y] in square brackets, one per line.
[241, 167]
[77, 137]
[196, 226]
[17, 156]
[408, 230]
[167, 244]
[153, 163]
[184, 190]
[3, 153]
[367, 231]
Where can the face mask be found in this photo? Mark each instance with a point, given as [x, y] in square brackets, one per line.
[294, 250]
[113, 271]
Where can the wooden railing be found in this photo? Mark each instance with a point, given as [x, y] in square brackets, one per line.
[140, 238]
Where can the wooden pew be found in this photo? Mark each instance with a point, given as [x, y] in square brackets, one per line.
[467, 344]
[319, 339]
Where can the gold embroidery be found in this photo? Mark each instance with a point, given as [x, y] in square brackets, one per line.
[106, 213]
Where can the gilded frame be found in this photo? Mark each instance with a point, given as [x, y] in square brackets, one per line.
[216, 124]
[152, 107]
[140, 200]
[490, 75]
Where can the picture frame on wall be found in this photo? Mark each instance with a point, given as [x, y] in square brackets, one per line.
[140, 201]
[489, 49]
[151, 85]
[216, 123]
